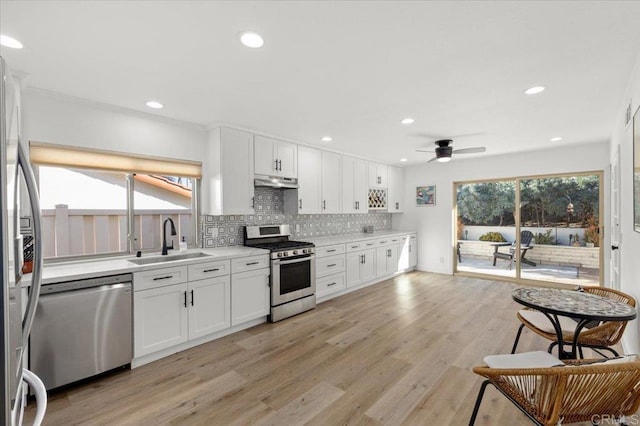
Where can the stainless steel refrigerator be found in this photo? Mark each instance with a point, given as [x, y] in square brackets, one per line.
[17, 299]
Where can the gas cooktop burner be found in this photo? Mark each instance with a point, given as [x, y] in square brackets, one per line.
[282, 245]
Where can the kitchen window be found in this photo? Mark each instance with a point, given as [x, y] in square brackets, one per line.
[98, 203]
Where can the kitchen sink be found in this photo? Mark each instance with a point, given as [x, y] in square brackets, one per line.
[168, 258]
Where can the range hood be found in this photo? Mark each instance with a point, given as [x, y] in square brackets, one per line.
[275, 181]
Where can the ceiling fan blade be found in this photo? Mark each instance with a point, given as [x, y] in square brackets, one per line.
[425, 150]
[432, 160]
[470, 150]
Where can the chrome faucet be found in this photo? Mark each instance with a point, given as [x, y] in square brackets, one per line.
[165, 248]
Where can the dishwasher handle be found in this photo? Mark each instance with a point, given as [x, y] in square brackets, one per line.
[56, 289]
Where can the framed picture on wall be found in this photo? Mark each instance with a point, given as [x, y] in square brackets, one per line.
[426, 195]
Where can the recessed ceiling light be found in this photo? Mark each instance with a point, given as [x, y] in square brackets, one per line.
[556, 139]
[11, 42]
[534, 90]
[252, 40]
[327, 139]
[404, 160]
[154, 104]
[407, 120]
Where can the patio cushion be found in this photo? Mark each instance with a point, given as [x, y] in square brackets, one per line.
[622, 359]
[540, 321]
[537, 359]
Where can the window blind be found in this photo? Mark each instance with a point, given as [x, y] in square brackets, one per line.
[84, 158]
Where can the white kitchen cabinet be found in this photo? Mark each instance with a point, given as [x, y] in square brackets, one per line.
[228, 180]
[250, 298]
[361, 267]
[168, 313]
[355, 187]
[408, 253]
[307, 199]
[378, 177]
[330, 284]
[209, 306]
[331, 182]
[275, 158]
[386, 260]
[395, 193]
[160, 318]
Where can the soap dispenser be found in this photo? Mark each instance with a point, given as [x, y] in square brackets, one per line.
[183, 245]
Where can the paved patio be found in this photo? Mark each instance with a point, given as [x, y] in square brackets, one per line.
[542, 272]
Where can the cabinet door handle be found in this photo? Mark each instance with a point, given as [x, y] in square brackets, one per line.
[324, 204]
[163, 278]
[253, 202]
[211, 270]
[362, 258]
[397, 206]
[388, 253]
[276, 165]
[409, 248]
[300, 207]
[331, 251]
[252, 263]
[185, 299]
[331, 266]
[330, 284]
[191, 297]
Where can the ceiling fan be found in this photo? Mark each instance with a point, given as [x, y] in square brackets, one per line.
[444, 150]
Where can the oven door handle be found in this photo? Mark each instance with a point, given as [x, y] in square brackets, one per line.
[288, 262]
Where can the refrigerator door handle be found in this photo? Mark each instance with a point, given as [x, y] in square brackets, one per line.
[36, 276]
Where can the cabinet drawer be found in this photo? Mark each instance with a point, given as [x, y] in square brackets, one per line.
[330, 265]
[330, 284]
[397, 240]
[202, 271]
[250, 263]
[329, 250]
[387, 241]
[159, 278]
[360, 245]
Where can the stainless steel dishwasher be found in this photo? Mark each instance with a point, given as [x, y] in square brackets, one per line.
[82, 328]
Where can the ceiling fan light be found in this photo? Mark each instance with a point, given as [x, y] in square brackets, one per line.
[443, 159]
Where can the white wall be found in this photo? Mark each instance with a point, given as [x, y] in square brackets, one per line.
[630, 242]
[435, 224]
[71, 121]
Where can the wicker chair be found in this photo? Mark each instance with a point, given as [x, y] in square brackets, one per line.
[555, 395]
[600, 337]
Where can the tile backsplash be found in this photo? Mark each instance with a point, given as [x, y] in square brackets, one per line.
[269, 210]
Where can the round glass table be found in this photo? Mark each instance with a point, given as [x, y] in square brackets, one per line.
[579, 305]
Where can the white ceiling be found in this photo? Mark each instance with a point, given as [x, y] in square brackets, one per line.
[351, 70]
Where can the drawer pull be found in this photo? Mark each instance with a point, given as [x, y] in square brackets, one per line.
[330, 284]
[252, 263]
[211, 270]
[355, 246]
[331, 266]
[383, 242]
[331, 251]
[163, 278]
[369, 244]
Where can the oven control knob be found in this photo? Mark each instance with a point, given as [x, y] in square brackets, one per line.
[304, 250]
[280, 254]
[295, 252]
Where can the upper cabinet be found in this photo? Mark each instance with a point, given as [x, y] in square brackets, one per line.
[354, 185]
[378, 177]
[307, 199]
[228, 178]
[331, 182]
[395, 193]
[275, 158]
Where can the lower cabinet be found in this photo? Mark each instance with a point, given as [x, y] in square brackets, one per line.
[209, 306]
[250, 295]
[386, 260]
[330, 284]
[170, 315]
[160, 318]
[361, 267]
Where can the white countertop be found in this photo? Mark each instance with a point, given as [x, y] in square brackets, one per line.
[66, 271]
[342, 239]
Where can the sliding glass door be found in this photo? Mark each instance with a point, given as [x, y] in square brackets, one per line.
[543, 228]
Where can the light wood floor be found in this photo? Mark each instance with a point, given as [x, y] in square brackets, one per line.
[399, 352]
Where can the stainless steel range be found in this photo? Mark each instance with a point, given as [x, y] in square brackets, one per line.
[293, 269]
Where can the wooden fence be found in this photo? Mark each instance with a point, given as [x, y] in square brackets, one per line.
[74, 232]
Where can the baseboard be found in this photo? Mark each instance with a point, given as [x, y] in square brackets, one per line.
[362, 285]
